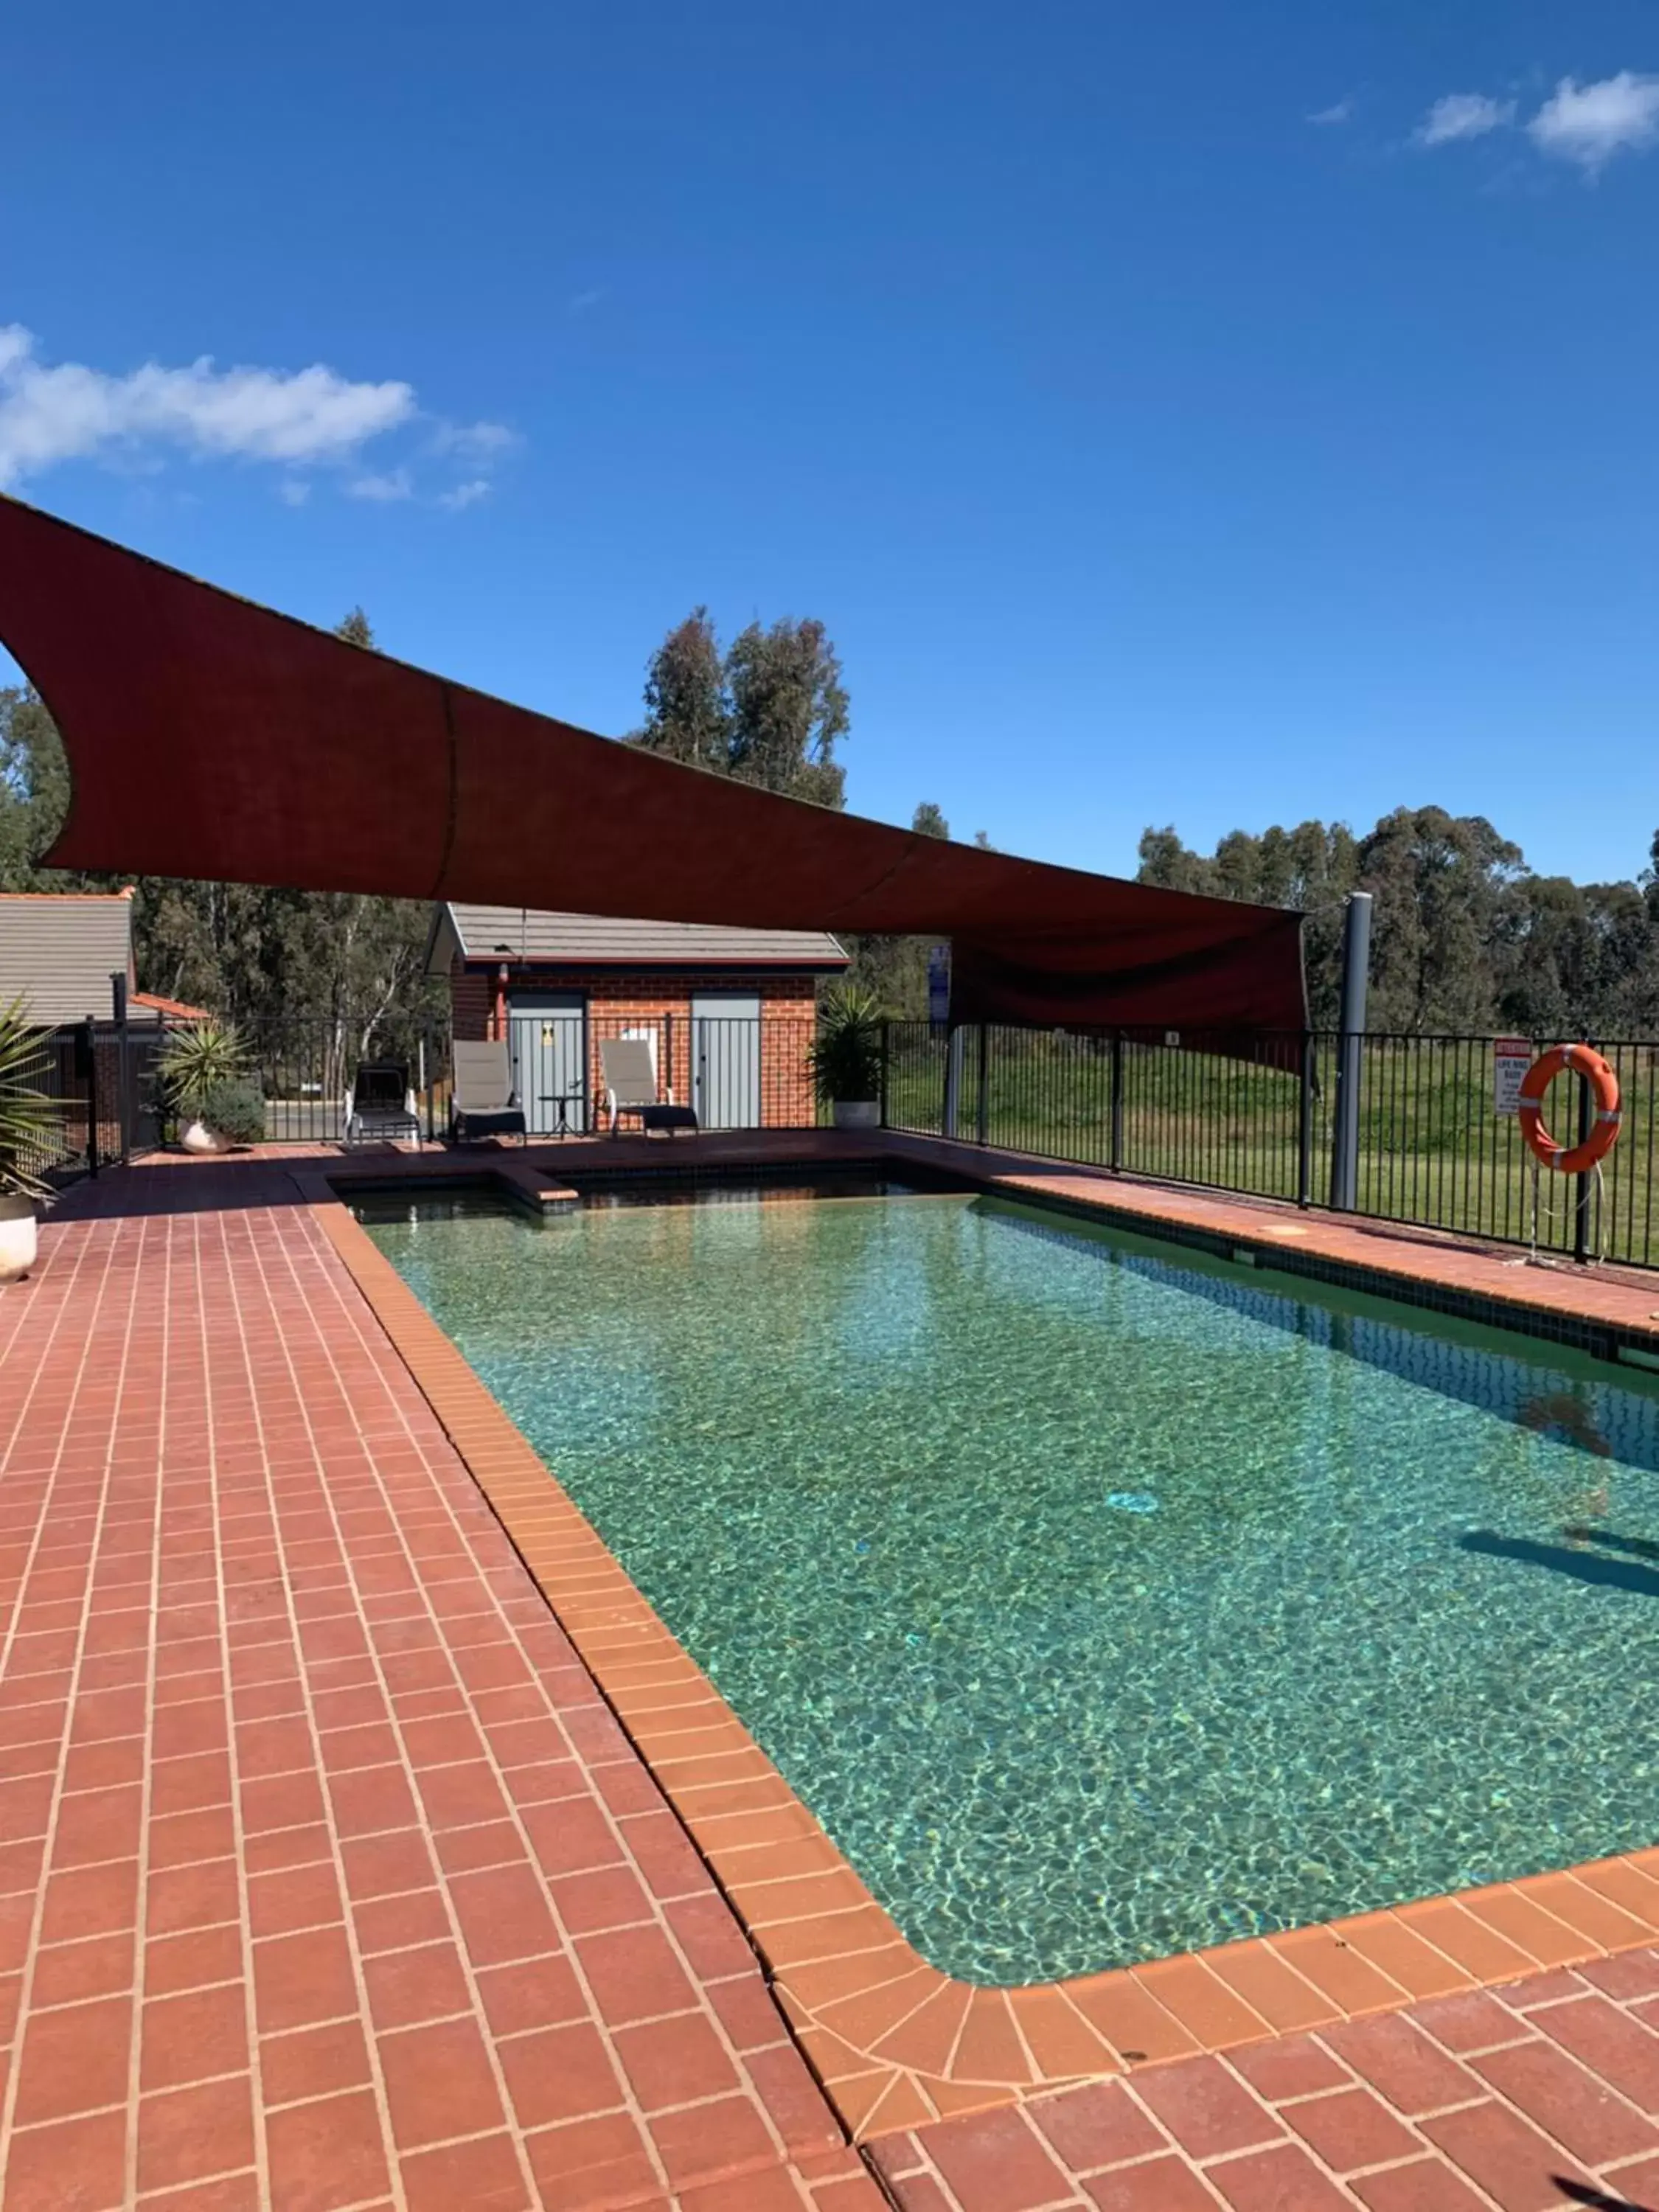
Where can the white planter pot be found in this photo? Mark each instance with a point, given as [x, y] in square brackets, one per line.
[19, 1239]
[196, 1137]
[857, 1113]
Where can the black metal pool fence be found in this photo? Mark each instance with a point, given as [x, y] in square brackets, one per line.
[1260, 1115]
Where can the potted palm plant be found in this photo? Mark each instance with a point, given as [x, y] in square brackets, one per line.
[201, 1071]
[29, 1126]
[846, 1055]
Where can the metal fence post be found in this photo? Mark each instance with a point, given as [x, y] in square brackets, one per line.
[982, 1119]
[1117, 1102]
[1586, 1181]
[1304, 1132]
[953, 1081]
[90, 1032]
[118, 984]
[886, 1061]
[1356, 968]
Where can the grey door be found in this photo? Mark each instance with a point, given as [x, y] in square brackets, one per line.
[549, 1037]
[726, 1060]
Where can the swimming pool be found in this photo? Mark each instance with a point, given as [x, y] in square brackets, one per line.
[1103, 1602]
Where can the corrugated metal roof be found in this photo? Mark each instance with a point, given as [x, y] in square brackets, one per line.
[59, 949]
[579, 941]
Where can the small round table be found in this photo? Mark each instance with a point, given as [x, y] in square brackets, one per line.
[563, 1100]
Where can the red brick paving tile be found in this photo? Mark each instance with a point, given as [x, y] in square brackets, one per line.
[192, 1960]
[1162, 2185]
[703, 2141]
[91, 1901]
[1633, 2188]
[439, 2083]
[1295, 2066]
[504, 1914]
[69, 1972]
[710, 1935]
[1568, 2102]
[326, 2154]
[371, 1800]
[792, 2098]
[996, 2161]
[380, 1865]
[571, 1835]
[1203, 2108]
[560, 2074]
[634, 1974]
[920, 2193]
[592, 2163]
[1469, 2022]
[300, 1978]
[1350, 2129]
[538, 1993]
[1511, 2161]
[491, 1843]
[187, 1838]
[226, 2192]
[196, 1896]
[1413, 2073]
[313, 2062]
[191, 2037]
[74, 2060]
[1628, 1974]
[1282, 2179]
[1424, 2186]
[1611, 2044]
[185, 2135]
[748, 2011]
[484, 2176]
[674, 2062]
[391, 1923]
[614, 1897]
[77, 2165]
[295, 1897]
[405, 1987]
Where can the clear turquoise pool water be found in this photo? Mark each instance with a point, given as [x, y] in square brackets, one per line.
[1102, 1602]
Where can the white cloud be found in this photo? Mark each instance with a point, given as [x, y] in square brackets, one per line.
[1590, 123]
[395, 483]
[293, 491]
[66, 411]
[473, 441]
[465, 495]
[1342, 112]
[1463, 115]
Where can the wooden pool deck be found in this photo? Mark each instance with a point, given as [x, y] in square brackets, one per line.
[369, 1843]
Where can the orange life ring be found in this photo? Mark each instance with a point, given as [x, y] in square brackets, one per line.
[1584, 1060]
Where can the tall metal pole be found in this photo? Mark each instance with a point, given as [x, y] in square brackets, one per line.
[118, 984]
[1356, 973]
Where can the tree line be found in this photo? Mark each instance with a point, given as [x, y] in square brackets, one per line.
[1465, 937]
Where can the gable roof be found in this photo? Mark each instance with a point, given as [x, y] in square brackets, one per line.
[587, 940]
[59, 949]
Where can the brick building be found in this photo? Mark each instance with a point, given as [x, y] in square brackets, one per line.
[728, 1013]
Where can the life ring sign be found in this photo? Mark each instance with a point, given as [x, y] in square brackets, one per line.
[1582, 1060]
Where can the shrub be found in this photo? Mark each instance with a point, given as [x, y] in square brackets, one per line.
[235, 1111]
[206, 1057]
[31, 1125]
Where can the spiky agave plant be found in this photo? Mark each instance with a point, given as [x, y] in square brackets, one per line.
[198, 1061]
[846, 1053]
[30, 1123]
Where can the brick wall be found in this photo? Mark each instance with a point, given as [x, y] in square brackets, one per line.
[619, 1001]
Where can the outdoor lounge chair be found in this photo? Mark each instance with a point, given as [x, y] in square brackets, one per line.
[382, 1108]
[630, 1087]
[483, 1102]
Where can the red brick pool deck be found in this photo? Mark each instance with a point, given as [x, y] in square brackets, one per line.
[330, 1878]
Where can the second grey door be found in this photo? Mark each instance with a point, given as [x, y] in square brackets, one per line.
[726, 1060]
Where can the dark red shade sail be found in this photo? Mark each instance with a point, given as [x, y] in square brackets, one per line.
[210, 738]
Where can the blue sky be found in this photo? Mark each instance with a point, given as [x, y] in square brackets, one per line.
[1176, 413]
